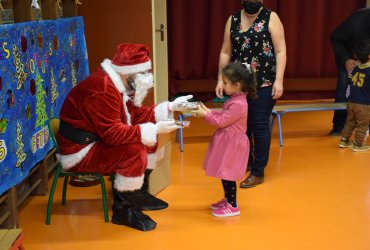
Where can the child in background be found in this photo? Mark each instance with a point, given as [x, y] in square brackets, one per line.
[358, 107]
[228, 150]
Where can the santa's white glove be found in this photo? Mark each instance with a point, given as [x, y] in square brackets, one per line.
[180, 103]
[164, 127]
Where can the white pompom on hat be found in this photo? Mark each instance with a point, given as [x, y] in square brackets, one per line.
[131, 58]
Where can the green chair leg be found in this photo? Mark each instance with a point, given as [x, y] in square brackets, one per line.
[51, 194]
[104, 198]
[65, 184]
[53, 126]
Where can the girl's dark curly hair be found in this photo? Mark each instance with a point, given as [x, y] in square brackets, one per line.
[239, 72]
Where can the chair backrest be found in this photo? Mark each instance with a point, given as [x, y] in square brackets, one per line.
[53, 125]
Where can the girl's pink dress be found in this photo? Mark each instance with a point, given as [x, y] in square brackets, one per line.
[228, 150]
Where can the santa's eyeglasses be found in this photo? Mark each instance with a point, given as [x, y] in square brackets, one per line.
[131, 83]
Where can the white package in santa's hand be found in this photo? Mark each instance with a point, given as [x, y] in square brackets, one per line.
[188, 105]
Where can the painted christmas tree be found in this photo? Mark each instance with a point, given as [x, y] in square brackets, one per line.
[21, 156]
[54, 92]
[20, 74]
[74, 79]
[40, 102]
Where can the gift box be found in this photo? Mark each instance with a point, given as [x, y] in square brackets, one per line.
[160, 177]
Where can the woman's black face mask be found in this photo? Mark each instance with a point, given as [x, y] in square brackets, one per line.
[251, 7]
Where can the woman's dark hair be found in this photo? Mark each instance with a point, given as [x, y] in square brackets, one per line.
[239, 72]
[362, 50]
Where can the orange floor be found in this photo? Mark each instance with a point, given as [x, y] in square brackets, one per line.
[315, 196]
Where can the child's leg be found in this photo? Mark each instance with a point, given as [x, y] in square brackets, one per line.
[366, 136]
[350, 122]
[224, 186]
[221, 202]
[230, 192]
[362, 120]
[229, 206]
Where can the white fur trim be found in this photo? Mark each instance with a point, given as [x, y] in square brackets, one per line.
[128, 115]
[68, 161]
[148, 134]
[161, 112]
[151, 161]
[130, 69]
[124, 183]
[113, 75]
[116, 79]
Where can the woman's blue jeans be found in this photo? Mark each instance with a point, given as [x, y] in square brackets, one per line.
[259, 130]
[339, 117]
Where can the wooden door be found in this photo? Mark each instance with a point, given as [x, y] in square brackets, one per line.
[160, 56]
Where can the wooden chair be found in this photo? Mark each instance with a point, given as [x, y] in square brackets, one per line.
[53, 125]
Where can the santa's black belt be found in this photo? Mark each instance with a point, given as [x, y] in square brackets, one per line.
[75, 134]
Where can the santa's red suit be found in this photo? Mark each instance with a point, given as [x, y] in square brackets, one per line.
[105, 131]
[99, 105]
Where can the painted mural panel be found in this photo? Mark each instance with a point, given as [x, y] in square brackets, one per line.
[40, 62]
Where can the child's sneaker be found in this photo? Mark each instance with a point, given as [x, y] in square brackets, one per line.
[218, 204]
[345, 144]
[226, 211]
[360, 148]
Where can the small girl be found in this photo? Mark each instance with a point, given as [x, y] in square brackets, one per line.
[228, 150]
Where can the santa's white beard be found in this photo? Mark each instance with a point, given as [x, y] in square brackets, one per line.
[143, 83]
[139, 98]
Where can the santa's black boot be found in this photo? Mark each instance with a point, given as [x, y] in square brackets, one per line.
[125, 212]
[147, 201]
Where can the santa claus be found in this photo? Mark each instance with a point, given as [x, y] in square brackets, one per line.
[106, 129]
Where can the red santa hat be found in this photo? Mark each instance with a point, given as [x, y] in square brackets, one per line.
[131, 58]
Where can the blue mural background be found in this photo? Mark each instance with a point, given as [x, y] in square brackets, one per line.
[40, 62]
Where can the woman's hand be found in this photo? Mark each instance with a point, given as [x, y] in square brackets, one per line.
[277, 89]
[219, 89]
[201, 111]
[350, 64]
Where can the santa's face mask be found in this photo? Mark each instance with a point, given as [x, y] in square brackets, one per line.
[140, 83]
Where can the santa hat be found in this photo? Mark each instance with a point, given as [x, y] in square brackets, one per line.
[131, 58]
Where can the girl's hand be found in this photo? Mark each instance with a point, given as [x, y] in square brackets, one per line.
[201, 111]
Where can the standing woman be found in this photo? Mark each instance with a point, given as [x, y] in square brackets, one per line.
[255, 35]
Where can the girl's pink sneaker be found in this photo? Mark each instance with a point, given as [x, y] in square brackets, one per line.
[218, 204]
[226, 211]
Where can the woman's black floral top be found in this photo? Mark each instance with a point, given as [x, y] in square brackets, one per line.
[254, 46]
